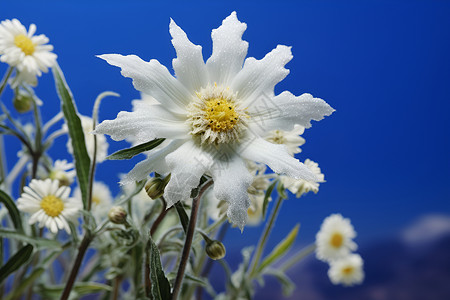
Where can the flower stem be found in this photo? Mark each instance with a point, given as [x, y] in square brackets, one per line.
[158, 220]
[3, 166]
[76, 265]
[188, 242]
[5, 79]
[262, 242]
[297, 258]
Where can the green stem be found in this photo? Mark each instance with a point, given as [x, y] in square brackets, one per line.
[263, 240]
[297, 258]
[5, 79]
[3, 166]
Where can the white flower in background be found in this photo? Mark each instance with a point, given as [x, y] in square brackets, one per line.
[301, 186]
[347, 270]
[102, 144]
[216, 114]
[63, 172]
[49, 204]
[102, 199]
[334, 240]
[291, 139]
[28, 53]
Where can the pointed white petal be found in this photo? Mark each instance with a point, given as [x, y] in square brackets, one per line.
[189, 66]
[276, 157]
[187, 164]
[258, 78]
[285, 110]
[229, 50]
[146, 123]
[153, 79]
[231, 181]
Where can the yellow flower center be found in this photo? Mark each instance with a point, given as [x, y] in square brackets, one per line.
[96, 200]
[220, 114]
[336, 240]
[24, 43]
[52, 205]
[347, 270]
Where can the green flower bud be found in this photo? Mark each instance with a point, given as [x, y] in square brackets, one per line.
[23, 101]
[155, 186]
[117, 215]
[215, 249]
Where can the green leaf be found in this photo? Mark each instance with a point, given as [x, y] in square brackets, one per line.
[267, 196]
[280, 249]
[287, 286]
[39, 242]
[160, 284]
[24, 283]
[12, 209]
[80, 289]
[281, 191]
[81, 157]
[133, 151]
[17, 260]
[183, 216]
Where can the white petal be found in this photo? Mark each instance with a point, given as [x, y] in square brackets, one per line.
[229, 50]
[276, 157]
[189, 66]
[155, 162]
[231, 181]
[258, 78]
[187, 164]
[285, 110]
[147, 123]
[153, 79]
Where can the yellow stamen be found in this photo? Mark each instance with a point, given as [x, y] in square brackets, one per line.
[96, 200]
[24, 43]
[347, 270]
[336, 240]
[52, 205]
[220, 114]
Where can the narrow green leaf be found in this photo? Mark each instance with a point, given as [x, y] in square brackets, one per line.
[160, 284]
[280, 249]
[281, 191]
[183, 216]
[81, 157]
[80, 289]
[287, 286]
[24, 283]
[133, 151]
[12, 209]
[267, 196]
[17, 260]
[39, 242]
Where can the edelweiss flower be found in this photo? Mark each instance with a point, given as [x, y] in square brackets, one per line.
[216, 114]
[291, 139]
[102, 144]
[347, 270]
[102, 199]
[334, 240]
[49, 204]
[25, 51]
[300, 186]
[63, 172]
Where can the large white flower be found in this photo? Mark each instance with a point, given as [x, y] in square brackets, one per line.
[347, 270]
[49, 204]
[335, 238]
[29, 53]
[216, 114]
[301, 186]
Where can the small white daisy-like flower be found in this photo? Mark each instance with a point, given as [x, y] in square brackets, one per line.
[215, 114]
[291, 139]
[49, 204]
[102, 144]
[335, 238]
[29, 53]
[102, 199]
[301, 186]
[63, 172]
[347, 270]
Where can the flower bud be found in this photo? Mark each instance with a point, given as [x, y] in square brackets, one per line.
[155, 186]
[117, 215]
[215, 250]
[22, 101]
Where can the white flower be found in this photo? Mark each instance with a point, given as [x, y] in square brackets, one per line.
[301, 186]
[334, 240]
[63, 172]
[49, 204]
[102, 199]
[102, 144]
[291, 139]
[347, 270]
[29, 53]
[216, 114]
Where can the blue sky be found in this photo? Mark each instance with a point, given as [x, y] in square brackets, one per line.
[383, 65]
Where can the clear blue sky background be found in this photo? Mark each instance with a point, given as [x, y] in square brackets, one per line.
[383, 65]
